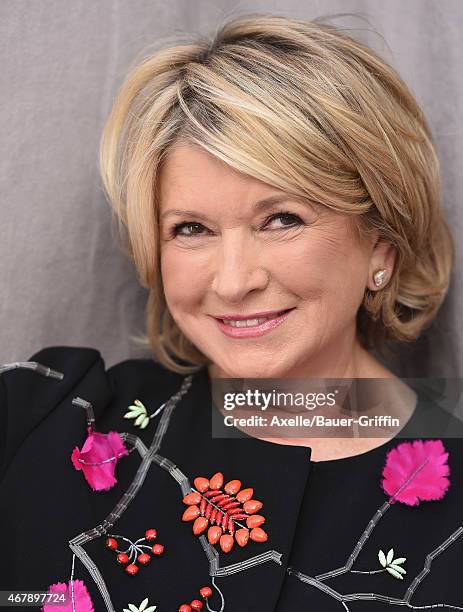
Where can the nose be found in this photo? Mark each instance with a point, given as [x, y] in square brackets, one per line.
[238, 266]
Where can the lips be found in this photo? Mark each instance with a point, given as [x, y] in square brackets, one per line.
[255, 330]
[255, 315]
[254, 322]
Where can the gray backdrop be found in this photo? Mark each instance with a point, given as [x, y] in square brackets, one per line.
[63, 280]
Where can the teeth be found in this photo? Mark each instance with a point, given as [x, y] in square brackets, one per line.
[249, 322]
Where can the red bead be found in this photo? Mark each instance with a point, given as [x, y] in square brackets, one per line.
[232, 487]
[245, 495]
[226, 542]
[202, 484]
[132, 569]
[242, 536]
[196, 604]
[184, 608]
[191, 513]
[143, 558]
[258, 535]
[151, 534]
[205, 592]
[255, 520]
[157, 549]
[252, 506]
[122, 558]
[192, 498]
[200, 525]
[213, 534]
[111, 543]
[216, 482]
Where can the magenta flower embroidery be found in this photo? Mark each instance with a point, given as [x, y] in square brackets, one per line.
[416, 471]
[98, 458]
[82, 599]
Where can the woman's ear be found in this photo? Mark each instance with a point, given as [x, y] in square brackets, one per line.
[381, 267]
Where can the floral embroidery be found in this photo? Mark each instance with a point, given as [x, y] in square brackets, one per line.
[392, 565]
[138, 411]
[414, 472]
[205, 593]
[76, 588]
[389, 564]
[98, 458]
[135, 550]
[141, 608]
[209, 506]
[429, 459]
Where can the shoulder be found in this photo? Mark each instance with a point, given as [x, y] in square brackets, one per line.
[32, 391]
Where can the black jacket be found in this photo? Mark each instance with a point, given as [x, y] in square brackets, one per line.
[315, 512]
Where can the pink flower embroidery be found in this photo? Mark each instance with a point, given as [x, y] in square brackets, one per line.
[427, 460]
[98, 458]
[82, 599]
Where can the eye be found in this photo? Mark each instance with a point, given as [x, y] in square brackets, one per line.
[290, 220]
[178, 227]
[192, 228]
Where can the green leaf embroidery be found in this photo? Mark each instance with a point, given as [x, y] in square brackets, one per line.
[382, 558]
[135, 410]
[399, 560]
[398, 568]
[138, 409]
[392, 565]
[139, 419]
[138, 412]
[394, 572]
[141, 608]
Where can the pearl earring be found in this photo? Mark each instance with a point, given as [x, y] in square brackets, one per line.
[379, 277]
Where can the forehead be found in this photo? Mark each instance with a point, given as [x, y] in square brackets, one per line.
[190, 172]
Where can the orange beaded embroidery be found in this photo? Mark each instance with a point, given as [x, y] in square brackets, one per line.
[220, 509]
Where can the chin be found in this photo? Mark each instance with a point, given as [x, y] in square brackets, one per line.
[253, 371]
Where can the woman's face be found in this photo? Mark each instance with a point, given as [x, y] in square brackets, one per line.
[230, 248]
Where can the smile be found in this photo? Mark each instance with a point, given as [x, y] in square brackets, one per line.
[247, 328]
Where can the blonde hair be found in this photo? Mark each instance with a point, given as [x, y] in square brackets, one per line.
[307, 109]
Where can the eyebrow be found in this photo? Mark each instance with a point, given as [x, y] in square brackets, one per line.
[256, 207]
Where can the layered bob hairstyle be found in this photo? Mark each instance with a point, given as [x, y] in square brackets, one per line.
[307, 109]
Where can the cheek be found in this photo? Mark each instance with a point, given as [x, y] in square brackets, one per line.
[183, 277]
[327, 265]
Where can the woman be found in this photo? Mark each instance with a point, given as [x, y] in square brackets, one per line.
[278, 191]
